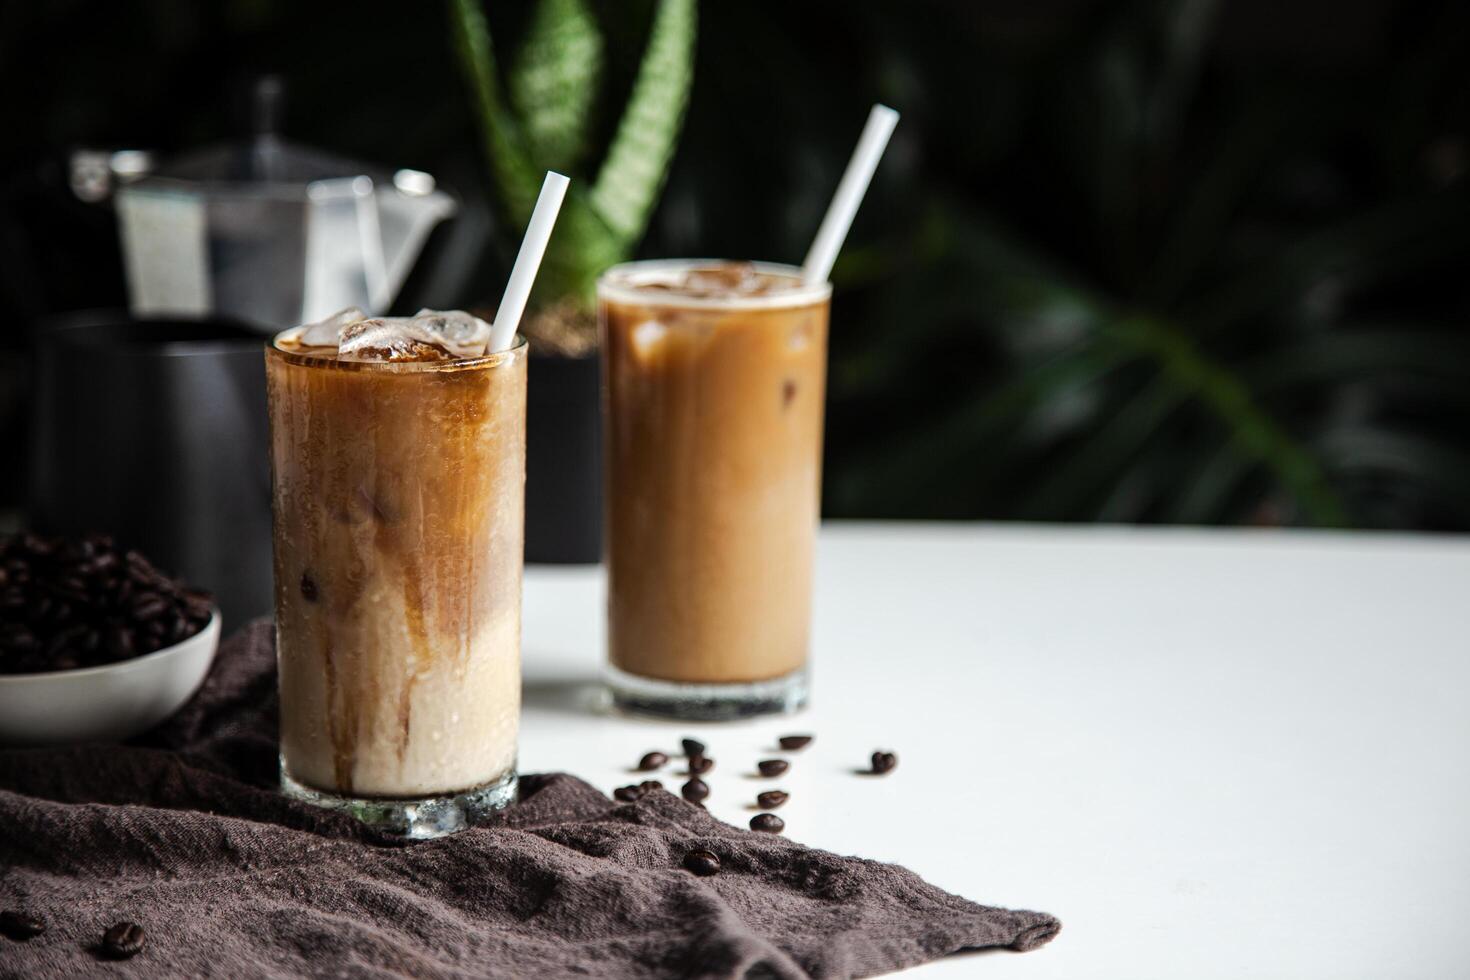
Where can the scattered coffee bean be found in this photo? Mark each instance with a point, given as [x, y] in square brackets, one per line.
[627, 794]
[695, 790]
[771, 799]
[701, 862]
[772, 767]
[700, 764]
[123, 941]
[767, 823]
[649, 785]
[693, 747]
[20, 926]
[308, 587]
[652, 761]
[884, 762]
[794, 742]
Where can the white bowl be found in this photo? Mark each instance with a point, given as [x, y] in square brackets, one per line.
[107, 703]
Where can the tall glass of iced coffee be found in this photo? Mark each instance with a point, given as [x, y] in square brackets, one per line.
[398, 462]
[714, 378]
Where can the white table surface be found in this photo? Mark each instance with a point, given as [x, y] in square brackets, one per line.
[1209, 753]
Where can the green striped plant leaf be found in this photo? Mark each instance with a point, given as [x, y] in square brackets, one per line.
[553, 83]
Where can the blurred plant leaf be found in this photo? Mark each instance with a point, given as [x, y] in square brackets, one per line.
[637, 162]
[1367, 249]
[553, 90]
[1251, 430]
[553, 84]
[517, 177]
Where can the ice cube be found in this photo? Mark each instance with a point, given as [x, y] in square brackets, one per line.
[384, 339]
[322, 333]
[426, 336]
[800, 336]
[647, 336]
[730, 278]
[460, 333]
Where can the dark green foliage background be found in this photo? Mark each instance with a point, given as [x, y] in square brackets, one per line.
[1161, 262]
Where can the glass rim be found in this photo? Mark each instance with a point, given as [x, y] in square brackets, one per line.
[619, 284]
[515, 352]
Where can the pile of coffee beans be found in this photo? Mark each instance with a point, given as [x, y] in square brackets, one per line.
[68, 603]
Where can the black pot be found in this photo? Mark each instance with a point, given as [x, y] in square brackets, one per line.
[563, 459]
[156, 432]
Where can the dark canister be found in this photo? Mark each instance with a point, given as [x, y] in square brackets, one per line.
[155, 431]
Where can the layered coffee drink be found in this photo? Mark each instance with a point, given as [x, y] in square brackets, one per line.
[714, 388]
[398, 460]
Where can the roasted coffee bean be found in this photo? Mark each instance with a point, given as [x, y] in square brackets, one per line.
[794, 742]
[308, 587]
[123, 941]
[198, 609]
[627, 794]
[884, 762]
[119, 642]
[102, 563]
[67, 639]
[701, 862]
[767, 823]
[40, 609]
[693, 747]
[18, 639]
[649, 785]
[12, 600]
[147, 607]
[700, 764]
[20, 926]
[652, 761]
[695, 790]
[772, 798]
[772, 767]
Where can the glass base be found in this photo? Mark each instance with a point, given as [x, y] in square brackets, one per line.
[707, 702]
[416, 819]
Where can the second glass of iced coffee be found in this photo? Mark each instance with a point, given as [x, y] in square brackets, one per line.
[714, 382]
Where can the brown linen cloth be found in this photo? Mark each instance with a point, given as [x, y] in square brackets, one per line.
[184, 834]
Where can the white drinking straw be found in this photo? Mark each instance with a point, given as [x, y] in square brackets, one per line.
[528, 260]
[818, 264]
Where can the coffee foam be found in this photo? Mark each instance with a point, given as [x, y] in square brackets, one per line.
[709, 283]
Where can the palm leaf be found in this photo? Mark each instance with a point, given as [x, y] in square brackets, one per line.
[1252, 430]
[1402, 237]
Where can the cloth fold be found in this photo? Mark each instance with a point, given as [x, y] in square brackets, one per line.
[183, 832]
